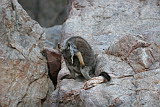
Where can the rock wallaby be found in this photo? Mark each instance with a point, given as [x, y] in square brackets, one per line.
[80, 58]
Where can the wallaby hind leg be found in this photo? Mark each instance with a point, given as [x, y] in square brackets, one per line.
[85, 72]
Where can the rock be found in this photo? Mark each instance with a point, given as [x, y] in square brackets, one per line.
[138, 53]
[64, 70]
[54, 63]
[155, 32]
[53, 36]
[105, 24]
[24, 78]
[52, 40]
[148, 88]
[71, 92]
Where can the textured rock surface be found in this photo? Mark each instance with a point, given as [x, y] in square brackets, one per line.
[53, 36]
[53, 57]
[104, 19]
[104, 24]
[133, 62]
[23, 70]
[138, 53]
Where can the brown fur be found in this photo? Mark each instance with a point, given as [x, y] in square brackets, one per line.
[78, 44]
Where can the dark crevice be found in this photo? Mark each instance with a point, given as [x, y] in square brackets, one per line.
[51, 76]
[36, 11]
[13, 7]
[46, 12]
[54, 64]
[43, 100]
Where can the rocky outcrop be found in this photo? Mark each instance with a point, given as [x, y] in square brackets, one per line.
[51, 51]
[125, 36]
[139, 54]
[24, 78]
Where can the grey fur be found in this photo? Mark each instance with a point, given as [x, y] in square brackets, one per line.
[72, 46]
